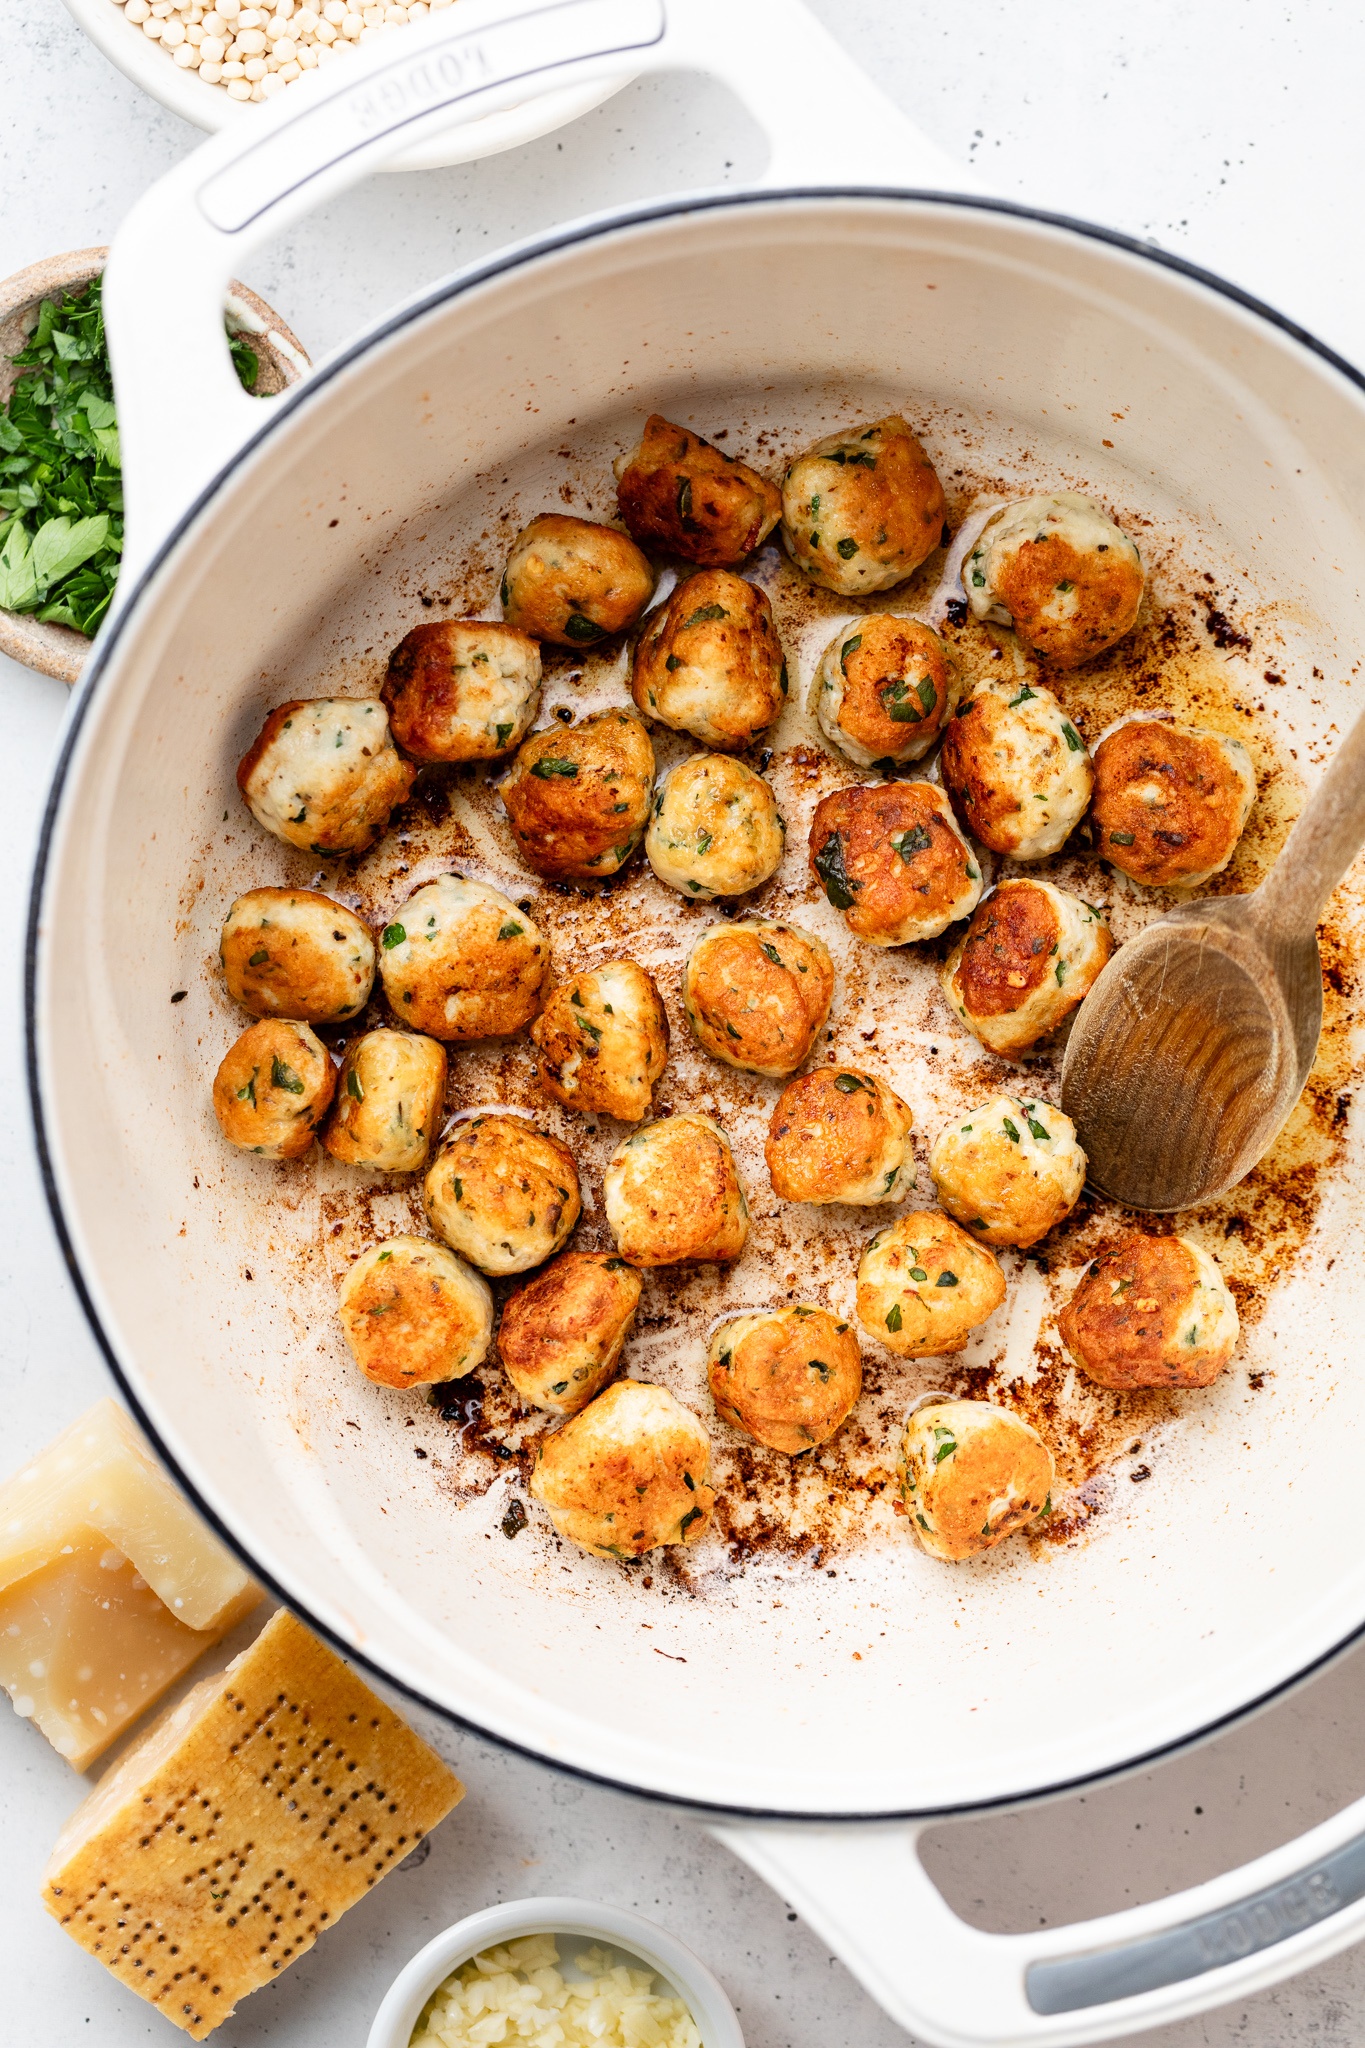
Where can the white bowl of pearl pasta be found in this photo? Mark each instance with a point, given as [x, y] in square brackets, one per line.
[159, 67]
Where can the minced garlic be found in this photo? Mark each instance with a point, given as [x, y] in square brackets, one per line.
[515, 1993]
[254, 52]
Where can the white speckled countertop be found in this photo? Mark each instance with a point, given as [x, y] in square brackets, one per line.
[1228, 134]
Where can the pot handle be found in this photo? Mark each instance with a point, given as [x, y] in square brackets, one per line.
[864, 1890]
[182, 413]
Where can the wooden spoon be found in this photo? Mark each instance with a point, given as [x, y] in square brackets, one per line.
[1194, 1044]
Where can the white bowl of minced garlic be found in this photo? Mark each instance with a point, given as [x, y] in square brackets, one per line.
[580, 1974]
[210, 63]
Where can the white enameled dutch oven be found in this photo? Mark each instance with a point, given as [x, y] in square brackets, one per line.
[817, 1721]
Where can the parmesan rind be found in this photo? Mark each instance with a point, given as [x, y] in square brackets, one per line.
[247, 1820]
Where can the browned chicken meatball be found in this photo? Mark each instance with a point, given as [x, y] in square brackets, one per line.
[502, 1193]
[1151, 1312]
[462, 689]
[672, 1194]
[1170, 801]
[578, 796]
[971, 1475]
[1016, 768]
[413, 1314]
[883, 690]
[461, 962]
[389, 1101]
[786, 1376]
[891, 857]
[574, 582]
[862, 509]
[709, 661]
[562, 1334]
[924, 1286]
[757, 995]
[603, 1041]
[627, 1474]
[1060, 572]
[323, 774]
[1030, 954]
[273, 1089]
[680, 496]
[840, 1135]
[296, 953]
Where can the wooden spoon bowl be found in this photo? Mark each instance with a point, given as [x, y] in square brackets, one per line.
[1194, 1044]
[57, 650]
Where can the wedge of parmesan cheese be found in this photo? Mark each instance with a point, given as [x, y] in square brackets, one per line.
[110, 1585]
[247, 1820]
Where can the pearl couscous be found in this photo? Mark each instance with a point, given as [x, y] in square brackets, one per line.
[515, 1993]
[254, 52]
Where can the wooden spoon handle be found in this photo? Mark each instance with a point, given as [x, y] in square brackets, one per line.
[1325, 840]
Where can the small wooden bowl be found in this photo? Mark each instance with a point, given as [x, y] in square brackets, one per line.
[57, 650]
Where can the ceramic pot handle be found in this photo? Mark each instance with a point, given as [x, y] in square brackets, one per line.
[182, 414]
[866, 1893]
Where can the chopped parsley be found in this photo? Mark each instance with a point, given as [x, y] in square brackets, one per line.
[847, 1083]
[893, 1316]
[548, 765]
[511, 931]
[391, 936]
[917, 840]
[1023, 698]
[61, 482]
[283, 1076]
[829, 866]
[704, 613]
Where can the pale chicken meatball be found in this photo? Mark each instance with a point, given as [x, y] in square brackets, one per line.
[924, 1286]
[673, 1197]
[627, 1474]
[757, 995]
[862, 509]
[840, 1135]
[709, 662]
[460, 962]
[788, 1377]
[1059, 571]
[390, 1097]
[562, 1334]
[573, 582]
[295, 953]
[414, 1314]
[1031, 953]
[462, 690]
[503, 1194]
[323, 774]
[1170, 801]
[680, 496]
[1017, 769]
[715, 829]
[1009, 1170]
[578, 796]
[884, 689]
[971, 1475]
[890, 855]
[1151, 1312]
[273, 1089]
[603, 1041]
